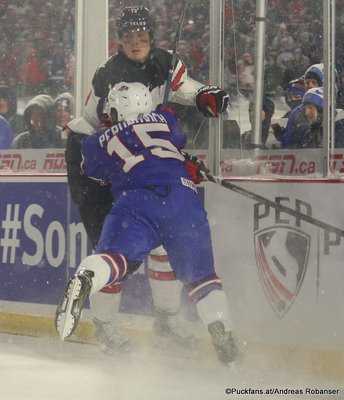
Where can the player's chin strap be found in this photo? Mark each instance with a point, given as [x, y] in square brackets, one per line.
[261, 199]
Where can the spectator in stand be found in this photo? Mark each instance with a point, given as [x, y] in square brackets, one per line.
[284, 56]
[34, 72]
[296, 66]
[309, 134]
[6, 134]
[314, 77]
[57, 67]
[39, 119]
[8, 63]
[273, 75]
[293, 94]
[267, 113]
[8, 109]
[283, 39]
[64, 109]
[246, 73]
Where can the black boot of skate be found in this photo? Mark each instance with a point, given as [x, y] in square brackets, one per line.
[223, 342]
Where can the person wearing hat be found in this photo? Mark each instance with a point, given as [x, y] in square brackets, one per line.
[267, 113]
[64, 109]
[310, 133]
[138, 60]
[293, 94]
[313, 78]
[41, 131]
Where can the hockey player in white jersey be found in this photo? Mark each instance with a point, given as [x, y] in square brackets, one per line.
[138, 60]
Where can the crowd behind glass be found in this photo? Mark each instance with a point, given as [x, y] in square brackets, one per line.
[37, 64]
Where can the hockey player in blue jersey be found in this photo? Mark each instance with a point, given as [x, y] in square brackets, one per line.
[138, 60]
[156, 204]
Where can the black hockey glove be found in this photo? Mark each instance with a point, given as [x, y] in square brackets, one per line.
[194, 167]
[211, 101]
[278, 131]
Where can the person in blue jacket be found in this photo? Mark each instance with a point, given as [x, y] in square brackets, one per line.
[314, 77]
[309, 134]
[6, 134]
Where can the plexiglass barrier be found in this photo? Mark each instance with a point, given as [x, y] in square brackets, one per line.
[39, 58]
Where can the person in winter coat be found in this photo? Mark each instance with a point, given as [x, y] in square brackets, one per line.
[6, 134]
[314, 77]
[310, 134]
[39, 119]
[8, 109]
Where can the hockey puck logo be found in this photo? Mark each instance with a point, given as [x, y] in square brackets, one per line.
[282, 257]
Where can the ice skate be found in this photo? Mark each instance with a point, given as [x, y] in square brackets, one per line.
[166, 325]
[69, 310]
[110, 339]
[223, 342]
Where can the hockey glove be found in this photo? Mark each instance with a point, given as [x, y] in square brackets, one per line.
[212, 101]
[194, 167]
[278, 131]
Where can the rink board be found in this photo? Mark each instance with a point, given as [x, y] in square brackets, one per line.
[283, 277]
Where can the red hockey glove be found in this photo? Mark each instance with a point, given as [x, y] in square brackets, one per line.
[211, 101]
[194, 167]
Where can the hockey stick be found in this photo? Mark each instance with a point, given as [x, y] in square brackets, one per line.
[261, 199]
[174, 54]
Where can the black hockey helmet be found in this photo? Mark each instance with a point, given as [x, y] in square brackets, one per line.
[135, 19]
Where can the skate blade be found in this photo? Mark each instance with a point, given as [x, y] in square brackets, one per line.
[66, 321]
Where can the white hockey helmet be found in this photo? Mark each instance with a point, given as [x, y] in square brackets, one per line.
[131, 100]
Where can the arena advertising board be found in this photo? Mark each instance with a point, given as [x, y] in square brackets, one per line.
[280, 273]
[304, 163]
[42, 241]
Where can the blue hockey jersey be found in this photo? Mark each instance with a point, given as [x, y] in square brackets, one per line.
[137, 154]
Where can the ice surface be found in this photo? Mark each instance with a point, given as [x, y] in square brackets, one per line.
[42, 369]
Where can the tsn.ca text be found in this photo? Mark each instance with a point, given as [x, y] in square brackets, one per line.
[20, 162]
[285, 164]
